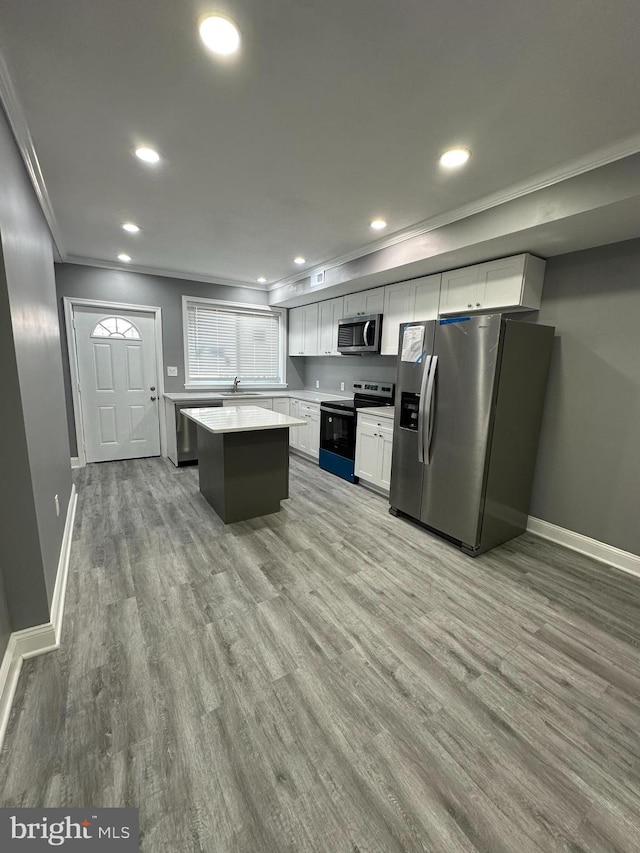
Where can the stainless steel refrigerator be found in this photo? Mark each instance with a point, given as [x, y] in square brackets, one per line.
[469, 400]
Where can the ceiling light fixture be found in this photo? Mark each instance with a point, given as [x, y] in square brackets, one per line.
[299, 260]
[147, 155]
[262, 280]
[454, 157]
[126, 259]
[220, 35]
[378, 224]
[130, 227]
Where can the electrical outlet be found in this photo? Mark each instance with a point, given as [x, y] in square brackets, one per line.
[342, 386]
[172, 371]
[57, 503]
[317, 383]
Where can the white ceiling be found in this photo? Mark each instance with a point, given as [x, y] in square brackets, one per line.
[333, 113]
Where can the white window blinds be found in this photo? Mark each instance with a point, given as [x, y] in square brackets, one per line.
[224, 342]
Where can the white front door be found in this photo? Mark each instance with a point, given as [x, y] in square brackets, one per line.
[116, 355]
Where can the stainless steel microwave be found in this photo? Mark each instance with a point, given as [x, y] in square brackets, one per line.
[359, 335]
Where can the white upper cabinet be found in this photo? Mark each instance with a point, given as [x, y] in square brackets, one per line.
[508, 284]
[407, 301]
[365, 302]
[303, 330]
[310, 329]
[330, 312]
[296, 331]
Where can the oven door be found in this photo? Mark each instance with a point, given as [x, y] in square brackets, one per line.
[338, 432]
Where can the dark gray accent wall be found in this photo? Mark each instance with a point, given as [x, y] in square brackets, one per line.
[5, 621]
[330, 371]
[138, 289]
[588, 471]
[34, 448]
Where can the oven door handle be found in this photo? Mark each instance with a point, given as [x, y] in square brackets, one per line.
[338, 412]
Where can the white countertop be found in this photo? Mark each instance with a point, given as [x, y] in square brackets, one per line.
[240, 419]
[387, 412]
[314, 396]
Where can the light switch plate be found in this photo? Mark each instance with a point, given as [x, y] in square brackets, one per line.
[172, 371]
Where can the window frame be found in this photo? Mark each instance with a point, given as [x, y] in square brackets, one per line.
[241, 307]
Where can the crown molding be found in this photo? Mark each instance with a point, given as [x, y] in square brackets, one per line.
[166, 273]
[22, 135]
[594, 160]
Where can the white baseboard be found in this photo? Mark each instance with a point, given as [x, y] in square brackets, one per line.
[600, 551]
[39, 639]
[75, 462]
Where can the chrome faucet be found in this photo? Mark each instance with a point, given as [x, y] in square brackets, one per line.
[236, 382]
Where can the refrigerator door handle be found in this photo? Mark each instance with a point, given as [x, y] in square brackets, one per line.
[421, 407]
[429, 416]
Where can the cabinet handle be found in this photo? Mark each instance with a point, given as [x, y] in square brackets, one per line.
[469, 305]
[477, 304]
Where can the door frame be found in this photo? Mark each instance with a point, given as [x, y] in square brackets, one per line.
[70, 303]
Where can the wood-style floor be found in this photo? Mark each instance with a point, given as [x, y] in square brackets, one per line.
[329, 678]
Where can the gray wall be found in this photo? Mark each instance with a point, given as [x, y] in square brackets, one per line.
[34, 451]
[330, 371]
[5, 621]
[138, 289]
[588, 471]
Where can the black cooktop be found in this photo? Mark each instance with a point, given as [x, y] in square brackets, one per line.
[367, 394]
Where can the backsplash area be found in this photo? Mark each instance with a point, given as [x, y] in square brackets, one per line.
[333, 370]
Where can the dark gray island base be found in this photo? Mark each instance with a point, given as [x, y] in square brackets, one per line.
[244, 474]
[243, 459]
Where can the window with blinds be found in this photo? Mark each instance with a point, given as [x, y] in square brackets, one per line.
[223, 342]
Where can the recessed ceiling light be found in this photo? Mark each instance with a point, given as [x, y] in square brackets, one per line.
[299, 260]
[130, 227]
[126, 259]
[147, 155]
[262, 279]
[220, 35]
[378, 224]
[454, 157]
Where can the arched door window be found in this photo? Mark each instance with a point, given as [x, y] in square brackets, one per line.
[116, 327]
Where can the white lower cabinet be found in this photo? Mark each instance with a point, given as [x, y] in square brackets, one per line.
[309, 436]
[374, 443]
[306, 439]
[281, 405]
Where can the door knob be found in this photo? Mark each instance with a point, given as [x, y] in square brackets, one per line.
[152, 398]
[153, 388]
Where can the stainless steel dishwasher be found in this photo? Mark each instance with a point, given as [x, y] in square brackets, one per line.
[187, 431]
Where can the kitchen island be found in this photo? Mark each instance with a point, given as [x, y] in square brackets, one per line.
[243, 459]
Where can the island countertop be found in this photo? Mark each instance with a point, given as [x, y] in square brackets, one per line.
[240, 419]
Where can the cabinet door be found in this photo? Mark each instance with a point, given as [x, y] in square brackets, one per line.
[294, 411]
[458, 291]
[296, 327]
[330, 312]
[314, 434]
[365, 302]
[310, 329]
[385, 448]
[500, 283]
[427, 298]
[367, 462]
[281, 405]
[398, 308]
